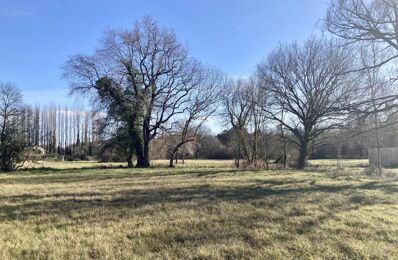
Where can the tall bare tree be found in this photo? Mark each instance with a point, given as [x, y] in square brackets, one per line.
[310, 85]
[141, 76]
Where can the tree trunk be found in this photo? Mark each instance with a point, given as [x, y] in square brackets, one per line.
[237, 157]
[174, 153]
[173, 156]
[302, 160]
[145, 161]
[284, 143]
[284, 149]
[140, 146]
[244, 147]
[130, 162]
[379, 165]
[5, 165]
[171, 161]
[144, 158]
[142, 161]
[254, 150]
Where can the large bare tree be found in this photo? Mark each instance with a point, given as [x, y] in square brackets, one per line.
[141, 76]
[309, 84]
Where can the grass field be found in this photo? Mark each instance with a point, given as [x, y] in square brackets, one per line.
[202, 210]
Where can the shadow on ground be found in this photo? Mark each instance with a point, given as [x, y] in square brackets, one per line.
[130, 196]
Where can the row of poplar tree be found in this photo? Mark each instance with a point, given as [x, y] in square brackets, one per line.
[68, 132]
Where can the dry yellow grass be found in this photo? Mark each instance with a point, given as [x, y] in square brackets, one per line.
[344, 163]
[155, 163]
[197, 212]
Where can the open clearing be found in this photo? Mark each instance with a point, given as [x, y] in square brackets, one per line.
[202, 210]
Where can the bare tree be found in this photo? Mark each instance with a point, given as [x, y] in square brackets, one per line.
[377, 85]
[362, 21]
[310, 85]
[66, 129]
[202, 104]
[368, 23]
[151, 76]
[237, 109]
[12, 132]
[36, 126]
[258, 120]
[338, 138]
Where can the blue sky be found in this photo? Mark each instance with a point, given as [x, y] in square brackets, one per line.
[37, 36]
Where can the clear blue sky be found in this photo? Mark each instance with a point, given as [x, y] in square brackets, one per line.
[37, 36]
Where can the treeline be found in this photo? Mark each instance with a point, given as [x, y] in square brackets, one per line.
[67, 133]
[71, 133]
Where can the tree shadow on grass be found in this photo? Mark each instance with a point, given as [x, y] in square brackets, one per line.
[51, 170]
[232, 209]
[78, 175]
[276, 198]
[26, 206]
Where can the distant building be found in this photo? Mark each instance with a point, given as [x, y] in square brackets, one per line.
[388, 156]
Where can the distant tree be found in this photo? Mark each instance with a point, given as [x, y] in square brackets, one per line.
[377, 85]
[244, 105]
[209, 147]
[12, 132]
[258, 121]
[66, 130]
[226, 137]
[202, 104]
[237, 109]
[36, 126]
[339, 138]
[310, 85]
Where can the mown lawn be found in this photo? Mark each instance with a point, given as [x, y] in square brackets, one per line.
[198, 212]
